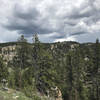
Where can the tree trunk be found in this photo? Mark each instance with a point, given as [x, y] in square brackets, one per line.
[76, 94]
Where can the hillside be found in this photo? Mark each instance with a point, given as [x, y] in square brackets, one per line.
[12, 95]
[62, 70]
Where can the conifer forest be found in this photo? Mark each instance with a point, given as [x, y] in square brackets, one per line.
[51, 71]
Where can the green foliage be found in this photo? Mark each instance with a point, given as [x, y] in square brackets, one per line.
[35, 38]
[22, 39]
[38, 67]
[3, 70]
[11, 80]
[43, 68]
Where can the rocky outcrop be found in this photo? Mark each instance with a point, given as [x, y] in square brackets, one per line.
[58, 94]
[8, 52]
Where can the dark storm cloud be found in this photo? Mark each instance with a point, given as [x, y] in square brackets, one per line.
[26, 15]
[26, 22]
[27, 29]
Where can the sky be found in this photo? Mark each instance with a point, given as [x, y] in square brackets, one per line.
[52, 20]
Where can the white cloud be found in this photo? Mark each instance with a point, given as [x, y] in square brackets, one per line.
[54, 20]
[71, 38]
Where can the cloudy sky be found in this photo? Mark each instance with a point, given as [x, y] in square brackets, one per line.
[53, 20]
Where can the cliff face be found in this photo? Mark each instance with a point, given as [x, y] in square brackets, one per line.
[8, 50]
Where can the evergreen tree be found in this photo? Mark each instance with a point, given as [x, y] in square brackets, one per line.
[35, 38]
[21, 60]
[95, 72]
[70, 76]
[43, 67]
[22, 39]
[3, 70]
[78, 75]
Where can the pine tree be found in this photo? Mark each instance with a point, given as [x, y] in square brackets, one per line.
[43, 67]
[22, 39]
[78, 75]
[70, 76]
[36, 56]
[35, 38]
[3, 70]
[95, 72]
[21, 60]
